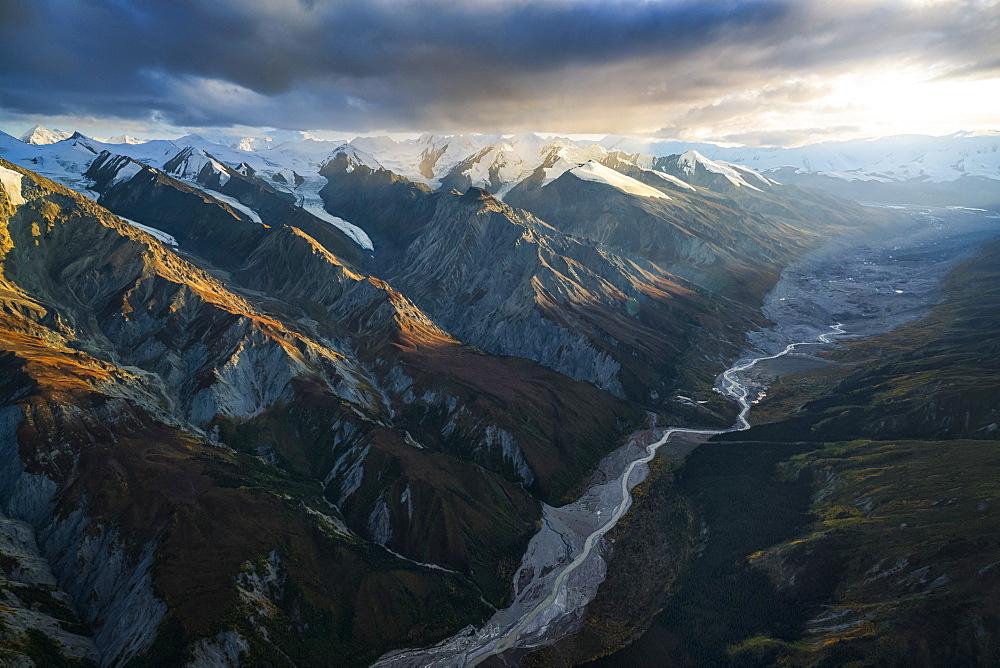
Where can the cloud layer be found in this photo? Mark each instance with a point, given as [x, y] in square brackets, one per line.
[728, 67]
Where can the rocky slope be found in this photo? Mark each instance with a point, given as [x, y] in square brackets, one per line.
[131, 376]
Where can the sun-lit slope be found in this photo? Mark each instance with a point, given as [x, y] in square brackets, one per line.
[559, 290]
[116, 352]
[693, 233]
[721, 226]
[209, 228]
[424, 398]
[509, 284]
[126, 363]
[330, 386]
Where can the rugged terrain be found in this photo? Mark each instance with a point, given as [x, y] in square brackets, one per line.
[853, 524]
[216, 386]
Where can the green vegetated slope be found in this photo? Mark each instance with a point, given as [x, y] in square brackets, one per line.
[860, 525]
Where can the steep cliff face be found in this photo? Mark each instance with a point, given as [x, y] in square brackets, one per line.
[511, 285]
[708, 233]
[391, 209]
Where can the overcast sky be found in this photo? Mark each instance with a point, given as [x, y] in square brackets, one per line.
[745, 71]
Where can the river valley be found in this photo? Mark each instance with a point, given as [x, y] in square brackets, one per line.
[853, 286]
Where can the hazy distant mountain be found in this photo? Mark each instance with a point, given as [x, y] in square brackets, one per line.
[121, 139]
[899, 157]
[260, 141]
[962, 169]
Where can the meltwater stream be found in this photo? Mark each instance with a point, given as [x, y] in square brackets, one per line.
[542, 607]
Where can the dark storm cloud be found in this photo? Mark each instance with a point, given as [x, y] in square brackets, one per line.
[115, 57]
[581, 65]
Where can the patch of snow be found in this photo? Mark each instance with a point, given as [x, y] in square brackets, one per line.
[127, 172]
[236, 204]
[153, 232]
[223, 175]
[11, 182]
[121, 139]
[690, 159]
[568, 157]
[560, 167]
[593, 171]
[40, 135]
[309, 199]
[670, 178]
[356, 157]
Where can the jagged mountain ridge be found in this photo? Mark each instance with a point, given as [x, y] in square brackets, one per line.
[590, 304]
[907, 169]
[898, 157]
[134, 366]
[957, 170]
[335, 376]
[396, 212]
[361, 174]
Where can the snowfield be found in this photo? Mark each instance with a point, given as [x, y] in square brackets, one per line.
[593, 171]
[11, 182]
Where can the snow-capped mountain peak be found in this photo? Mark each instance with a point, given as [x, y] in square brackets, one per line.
[598, 173]
[689, 161]
[39, 135]
[353, 157]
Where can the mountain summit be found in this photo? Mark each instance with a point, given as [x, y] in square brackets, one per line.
[42, 135]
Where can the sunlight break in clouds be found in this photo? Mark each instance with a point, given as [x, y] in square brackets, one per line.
[753, 71]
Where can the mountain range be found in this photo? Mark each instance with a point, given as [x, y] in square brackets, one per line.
[280, 402]
[955, 170]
